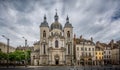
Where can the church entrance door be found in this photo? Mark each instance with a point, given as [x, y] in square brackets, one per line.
[56, 62]
[56, 59]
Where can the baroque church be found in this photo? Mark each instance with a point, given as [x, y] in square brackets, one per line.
[56, 43]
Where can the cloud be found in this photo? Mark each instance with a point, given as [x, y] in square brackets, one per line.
[99, 19]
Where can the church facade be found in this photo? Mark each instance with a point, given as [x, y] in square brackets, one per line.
[56, 44]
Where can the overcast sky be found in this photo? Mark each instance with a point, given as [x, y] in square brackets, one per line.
[99, 19]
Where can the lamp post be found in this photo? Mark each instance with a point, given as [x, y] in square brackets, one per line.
[119, 51]
[119, 54]
[84, 53]
[71, 52]
[25, 51]
[7, 49]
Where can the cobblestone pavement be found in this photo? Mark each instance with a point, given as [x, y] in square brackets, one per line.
[62, 68]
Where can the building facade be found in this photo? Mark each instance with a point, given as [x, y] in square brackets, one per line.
[23, 48]
[107, 55]
[58, 47]
[56, 44]
[85, 51]
[99, 53]
[3, 48]
[115, 56]
[115, 52]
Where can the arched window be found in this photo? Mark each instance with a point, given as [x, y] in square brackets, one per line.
[44, 33]
[56, 44]
[44, 49]
[68, 33]
[68, 48]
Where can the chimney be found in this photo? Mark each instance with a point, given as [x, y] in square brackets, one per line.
[97, 43]
[81, 37]
[112, 43]
[74, 48]
[74, 39]
[91, 39]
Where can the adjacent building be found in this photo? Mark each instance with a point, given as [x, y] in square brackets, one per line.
[107, 54]
[3, 48]
[23, 48]
[114, 53]
[99, 54]
[85, 51]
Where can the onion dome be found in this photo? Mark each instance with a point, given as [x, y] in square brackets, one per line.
[67, 24]
[56, 17]
[44, 23]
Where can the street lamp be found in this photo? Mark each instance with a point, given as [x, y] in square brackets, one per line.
[7, 49]
[25, 51]
[71, 52]
[119, 50]
[84, 52]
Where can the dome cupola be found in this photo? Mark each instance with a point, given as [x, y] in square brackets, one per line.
[56, 24]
